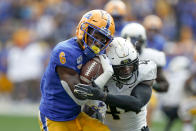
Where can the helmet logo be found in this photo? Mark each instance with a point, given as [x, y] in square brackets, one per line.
[125, 61]
[88, 15]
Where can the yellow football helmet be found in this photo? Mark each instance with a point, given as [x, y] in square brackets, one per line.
[116, 8]
[97, 21]
[152, 22]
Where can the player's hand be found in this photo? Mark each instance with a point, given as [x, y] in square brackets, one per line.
[106, 64]
[83, 91]
[96, 109]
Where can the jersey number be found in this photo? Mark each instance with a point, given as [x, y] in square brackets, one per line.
[144, 61]
[62, 58]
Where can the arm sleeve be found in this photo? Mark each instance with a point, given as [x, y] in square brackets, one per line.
[139, 97]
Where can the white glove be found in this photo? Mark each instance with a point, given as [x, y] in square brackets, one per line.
[106, 64]
[107, 74]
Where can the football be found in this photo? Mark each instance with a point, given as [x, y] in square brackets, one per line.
[91, 70]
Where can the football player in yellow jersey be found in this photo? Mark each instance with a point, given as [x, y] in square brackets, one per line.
[60, 107]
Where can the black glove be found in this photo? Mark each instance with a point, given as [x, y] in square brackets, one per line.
[83, 92]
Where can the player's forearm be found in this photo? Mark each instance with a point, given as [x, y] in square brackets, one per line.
[102, 79]
[139, 97]
[71, 94]
[107, 74]
[129, 103]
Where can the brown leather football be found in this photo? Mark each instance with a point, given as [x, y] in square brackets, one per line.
[91, 70]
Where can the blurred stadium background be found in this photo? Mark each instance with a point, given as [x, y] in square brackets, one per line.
[29, 29]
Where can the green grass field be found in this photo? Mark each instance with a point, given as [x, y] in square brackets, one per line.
[23, 123]
[159, 126]
[18, 123]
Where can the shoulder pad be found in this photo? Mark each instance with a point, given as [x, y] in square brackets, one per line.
[147, 70]
[62, 55]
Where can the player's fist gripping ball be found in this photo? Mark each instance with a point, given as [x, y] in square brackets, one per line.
[91, 70]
